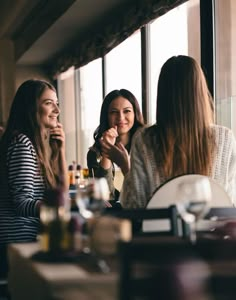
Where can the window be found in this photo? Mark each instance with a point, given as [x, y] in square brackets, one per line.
[225, 62]
[91, 97]
[177, 32]
[123, 67]
[67, 103]
[80, 98]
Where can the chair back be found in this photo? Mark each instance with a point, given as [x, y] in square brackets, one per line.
[137, 216]
[153, 268]
[220, 213]
[167, 194]
[214, 222]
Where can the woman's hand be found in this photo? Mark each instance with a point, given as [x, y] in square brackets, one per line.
[58, 134]
[110, 135]
[116, 153]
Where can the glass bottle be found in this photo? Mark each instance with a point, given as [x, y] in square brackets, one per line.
[55, 216]
[71, 174]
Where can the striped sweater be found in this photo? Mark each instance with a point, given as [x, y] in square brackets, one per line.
[144, 177]
[21, 186]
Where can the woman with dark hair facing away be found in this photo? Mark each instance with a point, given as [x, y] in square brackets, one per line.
[32, 159]
[120, 117]
[184, 139]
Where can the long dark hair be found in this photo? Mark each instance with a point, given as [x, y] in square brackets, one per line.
[23, 119]
[104, 123]
[183, 118]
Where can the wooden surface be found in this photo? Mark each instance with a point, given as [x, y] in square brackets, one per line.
[29, 279]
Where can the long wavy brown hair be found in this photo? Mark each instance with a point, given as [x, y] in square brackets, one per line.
[23, 119]
[183, 118]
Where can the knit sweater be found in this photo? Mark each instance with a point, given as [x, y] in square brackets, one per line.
[21, 186]
[144, 178]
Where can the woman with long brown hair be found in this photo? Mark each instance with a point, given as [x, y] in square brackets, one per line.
[120, 118]
[32, 159]
[184, 139]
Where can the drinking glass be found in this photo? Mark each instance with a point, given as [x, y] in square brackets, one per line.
[91, 199]
[193, 203]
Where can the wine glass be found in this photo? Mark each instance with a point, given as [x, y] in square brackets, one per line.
[91, 199]
[194, 196]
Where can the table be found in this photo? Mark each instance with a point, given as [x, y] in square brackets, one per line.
[30, 279]
[209, 267]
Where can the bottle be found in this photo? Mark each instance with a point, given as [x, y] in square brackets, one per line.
[55, 216]
[71, 174]
[77, 174]
[74, 228]
[85, 173]
[72, 187]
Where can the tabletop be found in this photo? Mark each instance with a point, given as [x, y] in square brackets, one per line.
[31, 279]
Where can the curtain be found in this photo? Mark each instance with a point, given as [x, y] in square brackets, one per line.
[114, 30]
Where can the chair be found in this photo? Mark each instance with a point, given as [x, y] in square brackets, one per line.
[155, 269]
[213, 221]
[175, 269]
[167, 194]
[219, 213]
[136, 216]
[220, 255]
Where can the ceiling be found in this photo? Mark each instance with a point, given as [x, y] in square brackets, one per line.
[41, 29]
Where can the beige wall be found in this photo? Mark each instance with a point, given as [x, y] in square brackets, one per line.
[29, 72]
[233, 48]
[223, 49]
[233, 68]
[226, 62]
[12, 76]
[7, 78]
[194, 46]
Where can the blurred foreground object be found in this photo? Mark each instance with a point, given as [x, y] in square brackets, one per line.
[163, 270]
[55, 219]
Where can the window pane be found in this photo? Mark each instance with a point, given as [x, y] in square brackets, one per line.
[66, 95]
[175, 33]
[123, 67]
[90, 105]
[225, 62]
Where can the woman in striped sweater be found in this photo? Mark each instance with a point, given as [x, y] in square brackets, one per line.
[32, 158]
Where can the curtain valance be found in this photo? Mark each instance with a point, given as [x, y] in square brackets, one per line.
[114, 30]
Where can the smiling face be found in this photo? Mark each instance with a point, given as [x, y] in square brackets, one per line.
[121, 114]
[48, 110]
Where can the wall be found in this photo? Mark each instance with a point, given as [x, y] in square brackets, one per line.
[7, 78]
[29, 72]
[225, 62]
[11, 76]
